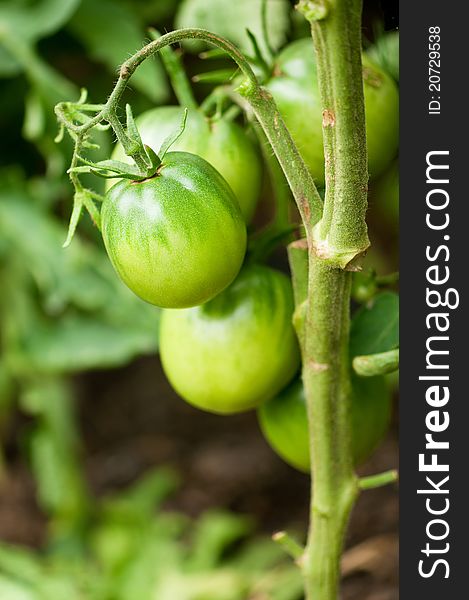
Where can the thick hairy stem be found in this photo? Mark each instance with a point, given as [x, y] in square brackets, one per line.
[322, 297]
[342, 235]
[327, 385]
[338, 239]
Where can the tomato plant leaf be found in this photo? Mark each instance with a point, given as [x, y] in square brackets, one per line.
[79, 343]
[172, 137]
[219, 76]
[111, 32]
[74, 218]
[67, 310]
[35, 20]
[9, 66]
[375, 326]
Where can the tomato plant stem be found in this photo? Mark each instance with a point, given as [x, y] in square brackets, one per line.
[326, 378]
[324, 323]
[291, 546]
[342, 236]
[377, 364]
[375, 481]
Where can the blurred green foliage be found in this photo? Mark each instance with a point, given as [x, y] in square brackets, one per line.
[138, 550]
[375, 326]
[65, 311]
[61, 311]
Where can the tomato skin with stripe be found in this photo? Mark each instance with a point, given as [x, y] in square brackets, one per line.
[177, 239]
[222, 143]
[296, 92]
[236, 351]
[284, 422]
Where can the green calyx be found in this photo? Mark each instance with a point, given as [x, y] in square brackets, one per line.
[222, 143]
[134, 148]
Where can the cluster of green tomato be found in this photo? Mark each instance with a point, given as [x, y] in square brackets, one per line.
[178, 240]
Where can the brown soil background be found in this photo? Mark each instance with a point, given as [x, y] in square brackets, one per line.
[131, 420]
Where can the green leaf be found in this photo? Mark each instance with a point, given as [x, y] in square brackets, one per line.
[112, 32]
[156, 554]
[11, 589]
[375, 326]
[34, 118]
[67, 309]
[219, 584]
[132, 130]
[74, 218]
[219, 76]
[109, 168]
[33, 20]
[215, 532]
[172, 137]
[154, 11]
[232, 19]
[26, 575]
[47, 87]
[53, 447]
[9, 66]
[57, 475]
[79, 343]
[148, 493]
[19, 563]
[213, 53]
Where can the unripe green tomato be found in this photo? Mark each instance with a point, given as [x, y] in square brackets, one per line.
[222, 143]
[176, 239]
[296, 92]
[385, 53]
[236, 351]
[284, 421]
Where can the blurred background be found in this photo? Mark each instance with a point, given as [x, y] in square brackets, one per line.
[111, 487]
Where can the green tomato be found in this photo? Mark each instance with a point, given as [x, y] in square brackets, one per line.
[284, 421]
[238, 350]
[385, 53]
[222, 143]
[176, 239]
[296, 92]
